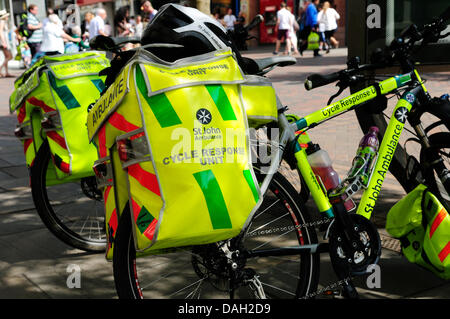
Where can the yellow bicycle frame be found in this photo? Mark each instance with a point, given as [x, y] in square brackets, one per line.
[387, 147]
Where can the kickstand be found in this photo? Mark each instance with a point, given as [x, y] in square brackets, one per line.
[349, 290]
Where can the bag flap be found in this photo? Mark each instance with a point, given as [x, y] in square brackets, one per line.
[216, 67]
[87, 65]
[24, 89]
[62, 67]
[406, 214]
[108, 102]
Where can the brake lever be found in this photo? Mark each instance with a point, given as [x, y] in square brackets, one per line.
[342, 86]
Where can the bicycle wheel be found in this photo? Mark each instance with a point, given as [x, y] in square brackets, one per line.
[73, 211]
[440, 149]
[202, 271]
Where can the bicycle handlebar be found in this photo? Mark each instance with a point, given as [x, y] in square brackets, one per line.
[398, 51]
[317, 80]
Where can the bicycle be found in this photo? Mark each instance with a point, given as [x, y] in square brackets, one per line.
[49, 99]
[277, 254]
[407, 167]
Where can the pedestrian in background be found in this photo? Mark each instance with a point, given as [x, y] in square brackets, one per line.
[292, 35]
[282, 27]
[139, 26]
[310, 26]
[323, 43]
[88, 16]
[97, 24]
[34, 42]
[149, 11]
[54, 36]
[121, 21]
[329, 16]
[230, 20]
[4, 43]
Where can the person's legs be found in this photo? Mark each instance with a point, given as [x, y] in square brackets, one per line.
[304, 36]
[295, 44]
[8, 57]
[278, 43]
[277, 47]
[34, 48]
[332, 40]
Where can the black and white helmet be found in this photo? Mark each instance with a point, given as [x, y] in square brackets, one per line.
[196, 31]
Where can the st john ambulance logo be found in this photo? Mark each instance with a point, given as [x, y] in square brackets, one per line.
[204, 116]
[401, 114]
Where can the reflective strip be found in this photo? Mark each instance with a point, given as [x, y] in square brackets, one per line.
[41, 104]
[145, 222]
[159, 104]
[57, 138]
[27, 144]
[102, 142]
[63, 92]
[21, 114]
[99, 84]
[146, 179]
[221, 100]
[107, 190]
[215, 202]
[63, 166]
[119, 122]
[249, 178]
[444, 252]
[112, 227]
[437, 221]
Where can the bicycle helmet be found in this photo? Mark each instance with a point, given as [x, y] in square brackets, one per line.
[196, 31]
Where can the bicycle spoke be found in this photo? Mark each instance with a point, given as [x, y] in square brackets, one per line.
[184, 288]
[277, 288]
[270, 222]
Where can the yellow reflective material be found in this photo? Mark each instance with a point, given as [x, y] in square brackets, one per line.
[161, 77]
[197, 185]
[80, 67]
[420, 80]
[19, 94]
[260, 104]
[388, 85]
[107, 102]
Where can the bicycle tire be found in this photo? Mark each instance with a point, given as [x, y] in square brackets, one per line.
[127, 274]
[438, 142]
[60, 223]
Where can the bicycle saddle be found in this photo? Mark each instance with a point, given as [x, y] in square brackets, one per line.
[275, 61]
[264, 65]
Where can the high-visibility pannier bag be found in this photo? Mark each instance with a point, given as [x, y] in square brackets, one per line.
[173, 147]
[51, 100]
[422, 224]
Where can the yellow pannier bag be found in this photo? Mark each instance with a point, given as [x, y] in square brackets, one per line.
[173, 146]
[51, 101]
[259, 101]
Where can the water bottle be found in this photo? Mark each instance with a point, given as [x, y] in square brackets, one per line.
[321, 165]
[367, 151]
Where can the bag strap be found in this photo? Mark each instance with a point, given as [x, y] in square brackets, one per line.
[424, 209]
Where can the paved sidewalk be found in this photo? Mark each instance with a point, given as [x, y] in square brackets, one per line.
[33, 263]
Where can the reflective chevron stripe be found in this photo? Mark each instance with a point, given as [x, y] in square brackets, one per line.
[159, 104]
[215, 202]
